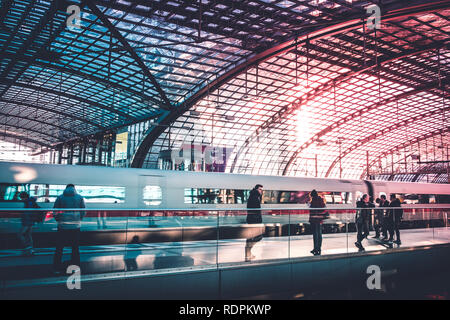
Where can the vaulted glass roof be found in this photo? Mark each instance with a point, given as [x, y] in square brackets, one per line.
[291, 87]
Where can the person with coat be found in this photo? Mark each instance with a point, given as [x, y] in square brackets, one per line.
[316, 218]
[28, 220]
[395, 217]
[253, 217]
[362, 220]
[69, 224]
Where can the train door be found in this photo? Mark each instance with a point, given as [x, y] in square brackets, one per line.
[152, 191]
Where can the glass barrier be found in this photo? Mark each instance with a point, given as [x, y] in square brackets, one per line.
[43, 243]
[252, 235]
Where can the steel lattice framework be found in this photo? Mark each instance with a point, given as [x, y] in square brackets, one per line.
[292, 87]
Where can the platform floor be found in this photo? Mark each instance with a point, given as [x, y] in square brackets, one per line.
[151, 256]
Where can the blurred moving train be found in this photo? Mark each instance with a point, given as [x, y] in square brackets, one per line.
[156, 189]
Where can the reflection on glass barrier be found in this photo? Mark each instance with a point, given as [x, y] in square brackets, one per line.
[252, 235]
[105, 240]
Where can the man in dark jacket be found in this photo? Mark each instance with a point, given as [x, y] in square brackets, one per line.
[254, 202]
[69, 224]
[28, 220]
[395, 217]
[253, 217]
[316, 218]
[362, 220]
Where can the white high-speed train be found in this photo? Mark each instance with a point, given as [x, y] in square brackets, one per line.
[155, 189]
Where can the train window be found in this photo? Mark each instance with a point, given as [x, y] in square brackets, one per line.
[433, 199]
[327, 197]
[10, 192]
[152, 195]
[401, 197]
[286, 197]
[49, 192]
[202, 196]
[410, 199]
[342, 197]
[270, 196]
[338, 198]
[102, 194]
[359, 195]
[301, 197]
[297, 197]
[443, 198]
[239, 196]
[190, 196]
[215, 196]
[424, 198]
[235, 196]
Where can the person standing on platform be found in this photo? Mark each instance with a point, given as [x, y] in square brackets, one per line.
[28, 220]
[316, 218]
[384, 203]
[371, 213]
[69, 224]
[395, 218]
[253, 217]
[362, 221]
[378, 219]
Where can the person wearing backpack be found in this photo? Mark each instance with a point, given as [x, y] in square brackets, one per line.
[69, 224]
[28, 219]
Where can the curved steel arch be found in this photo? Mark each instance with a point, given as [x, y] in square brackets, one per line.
[33, 130]
[7, 115]
[95, 10]
[19, 137]
[309, 96]
[92, 77]
[354, 115]
[69, 96]
[329, 85]
[379, 133]
[68, 115]
[394, 11]
[404, 145]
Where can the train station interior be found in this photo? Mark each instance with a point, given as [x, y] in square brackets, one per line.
[166, 115]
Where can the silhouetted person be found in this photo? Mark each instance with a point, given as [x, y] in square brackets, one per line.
[384, 203]
[253, 217]
[395, 217]
[371, 204]
[69, 224]
[362, 222]
[28, 220]
[316, 218]
[377, 221]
